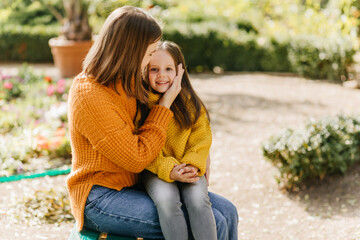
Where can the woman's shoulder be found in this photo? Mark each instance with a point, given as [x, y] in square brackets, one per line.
[87, 89]
[83, 83]
[88, 86]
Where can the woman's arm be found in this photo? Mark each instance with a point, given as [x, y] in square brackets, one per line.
[107, 127]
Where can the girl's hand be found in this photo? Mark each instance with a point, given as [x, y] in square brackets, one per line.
[170, 94]
[191, 168]
[180, 173]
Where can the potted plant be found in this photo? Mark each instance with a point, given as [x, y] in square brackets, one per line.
[75, 40]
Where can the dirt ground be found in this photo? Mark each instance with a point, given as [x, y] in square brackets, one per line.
[247, 108]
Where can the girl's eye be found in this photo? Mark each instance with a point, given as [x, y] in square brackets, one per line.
[169, 69]
[153, 69]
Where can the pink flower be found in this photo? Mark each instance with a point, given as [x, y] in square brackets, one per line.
[6, 77]
[60, 89]
[50, 90]
[8, 85]
[61, 82]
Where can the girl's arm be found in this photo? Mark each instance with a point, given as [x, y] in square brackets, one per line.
[198, 145]
[162, 166]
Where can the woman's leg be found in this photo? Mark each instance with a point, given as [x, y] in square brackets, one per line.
[228, 210]
[166, 197]
[129, 212]
[196, 200]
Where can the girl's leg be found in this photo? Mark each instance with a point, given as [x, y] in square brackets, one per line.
[201, 217]
[228, 210]
[166, 197]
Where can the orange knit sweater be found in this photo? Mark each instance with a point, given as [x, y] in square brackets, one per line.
[105, 149]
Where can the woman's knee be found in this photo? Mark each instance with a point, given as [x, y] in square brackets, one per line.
[222, 228]
[231, 211]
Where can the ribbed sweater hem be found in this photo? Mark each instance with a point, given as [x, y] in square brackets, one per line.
[78, 196]
[160, 115]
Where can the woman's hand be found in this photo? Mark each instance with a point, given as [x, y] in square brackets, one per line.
[183, 173]
[170, 94]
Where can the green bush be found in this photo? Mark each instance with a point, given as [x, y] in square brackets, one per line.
[25, 43]
[33, 12]
[209, 44]
[323, 147]
[321, 58]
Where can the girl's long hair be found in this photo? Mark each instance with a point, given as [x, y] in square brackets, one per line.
[119, 49]
[187, 106]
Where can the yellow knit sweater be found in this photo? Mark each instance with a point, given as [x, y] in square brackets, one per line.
[189, 146]
[105, 149]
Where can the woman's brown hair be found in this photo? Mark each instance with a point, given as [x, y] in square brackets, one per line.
[119, 49]
[187, 106]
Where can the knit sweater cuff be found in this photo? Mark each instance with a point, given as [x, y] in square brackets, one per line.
[160, 115]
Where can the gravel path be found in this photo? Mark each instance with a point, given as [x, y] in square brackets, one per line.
[246, 109]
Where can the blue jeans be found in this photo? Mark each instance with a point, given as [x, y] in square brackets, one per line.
[131, 212]
[170, 197]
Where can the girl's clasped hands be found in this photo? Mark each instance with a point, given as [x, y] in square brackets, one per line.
[185, 173]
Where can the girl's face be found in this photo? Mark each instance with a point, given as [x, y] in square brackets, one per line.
[150, 50]
[162, 71]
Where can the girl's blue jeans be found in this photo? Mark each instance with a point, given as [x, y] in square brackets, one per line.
[131, 212]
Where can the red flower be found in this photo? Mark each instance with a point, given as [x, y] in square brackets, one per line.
[41, 142]
[47, 79]
[60, 132]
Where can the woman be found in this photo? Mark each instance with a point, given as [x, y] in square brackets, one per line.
[107, 154]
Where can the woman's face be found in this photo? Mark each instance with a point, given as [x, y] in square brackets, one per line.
[150, 50]
[162, 71]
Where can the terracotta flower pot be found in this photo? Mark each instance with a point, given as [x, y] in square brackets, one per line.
[68, 55]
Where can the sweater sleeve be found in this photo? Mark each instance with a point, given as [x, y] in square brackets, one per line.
[107, 127]
[198, 145]
[162, 166]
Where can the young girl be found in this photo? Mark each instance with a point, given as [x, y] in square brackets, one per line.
[176, 176]
[107, 154]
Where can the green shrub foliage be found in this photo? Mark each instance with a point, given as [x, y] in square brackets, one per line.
[208, 41]
[210, 44]
[321, 58]
[25, 43]
[321, 148]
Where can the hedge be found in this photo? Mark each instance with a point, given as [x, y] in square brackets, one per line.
[25, 43]
[323, 147]
[212, 44]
